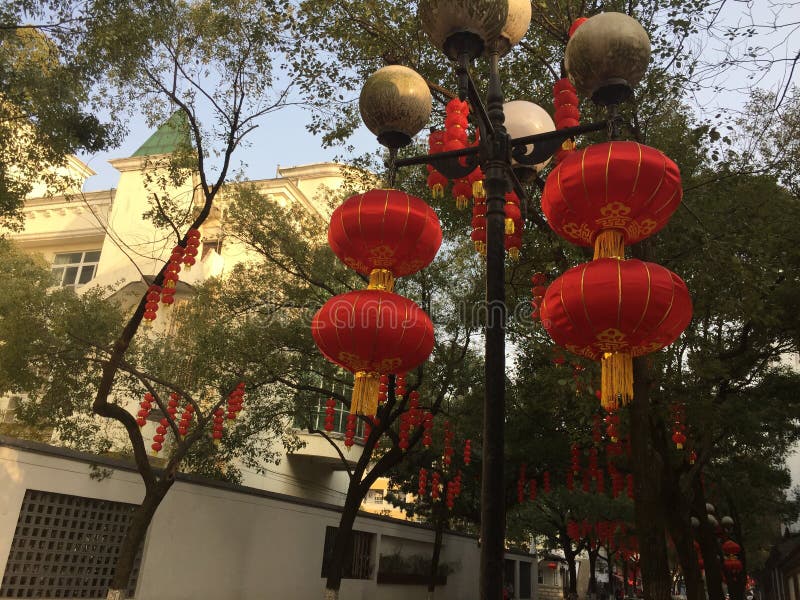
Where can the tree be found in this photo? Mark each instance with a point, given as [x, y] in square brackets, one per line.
[214, 63]
[655, 118]
[275, 295]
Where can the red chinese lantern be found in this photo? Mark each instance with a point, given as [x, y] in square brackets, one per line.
[371, 332]
[730, 547]
[734, 565]
[611, 194]
[385, 234]
[552, 566]
[612, 310]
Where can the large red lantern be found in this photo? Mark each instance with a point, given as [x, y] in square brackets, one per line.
[370, 332]
[611, 194]
[612, 310]
[385, 234]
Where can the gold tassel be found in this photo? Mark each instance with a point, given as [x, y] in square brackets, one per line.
[513, 252]
[462, 202]
[381, 279]
[609, 243]
[616, 387]
[568, 145]
[509, 226]
[365, 393]
[477, 189]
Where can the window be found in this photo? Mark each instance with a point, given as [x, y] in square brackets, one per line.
[339, 421]
[375, 496]
[209, 245]
[75, 268]
[358, 555]
[65, 547]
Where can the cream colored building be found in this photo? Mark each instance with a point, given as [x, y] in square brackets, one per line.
[102, 239]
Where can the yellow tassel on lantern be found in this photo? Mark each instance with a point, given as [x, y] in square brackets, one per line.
[381, 279]
[509, 226]
[616, 387]
[437, 191]
[609, 243]
[513, 252]
[462, 202]
[568, 145]
[365, 393]
[477, 189]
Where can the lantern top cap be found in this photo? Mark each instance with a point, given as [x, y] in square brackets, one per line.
[607, 56]
[475, 27]
[395, 104]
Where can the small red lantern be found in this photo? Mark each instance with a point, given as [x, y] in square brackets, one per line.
[371, 332]
[734, 565]
[731, 547]
[552, 566]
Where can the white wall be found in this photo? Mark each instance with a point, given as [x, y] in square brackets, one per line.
[226, 543]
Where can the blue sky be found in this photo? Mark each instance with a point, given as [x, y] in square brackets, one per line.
[281, 139]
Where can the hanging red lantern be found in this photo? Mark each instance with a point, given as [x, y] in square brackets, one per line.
[612, 310]
[385, 234]
[731, 547]
[611, 194]
[467, 452]
[552, 566]
[733, 565]
[423, 482]
[427, 430]
[372, 332]
[435, 485]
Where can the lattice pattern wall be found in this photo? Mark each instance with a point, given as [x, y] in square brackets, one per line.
[65, 547]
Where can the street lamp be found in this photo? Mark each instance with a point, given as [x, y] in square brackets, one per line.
[393, 110]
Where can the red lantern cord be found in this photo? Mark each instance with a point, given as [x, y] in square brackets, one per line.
[192, 245]
[447, 459]
[145, 406]
[423, 482]
[217, 427]
[629, 481]
[546, 482]
[678, 411]
[151, 303]
[235, 400]
[427, 430]
[521, 484]
[435, 484]
[404, 430]
[172, 405]
[467, 452]
[350, 431]
[330, 414]
[538, 290]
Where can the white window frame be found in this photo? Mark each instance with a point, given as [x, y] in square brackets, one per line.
[60, 270]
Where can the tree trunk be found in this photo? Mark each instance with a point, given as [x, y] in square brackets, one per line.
[342, 540]
[134, 536]
[737, 585]
[591, 591]
[437, 550]
[647, 472]
[569, 556]
[625, 588]
[681, 533]
[709, 546]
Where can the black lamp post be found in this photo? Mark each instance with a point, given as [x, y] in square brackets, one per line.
[395, 106]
